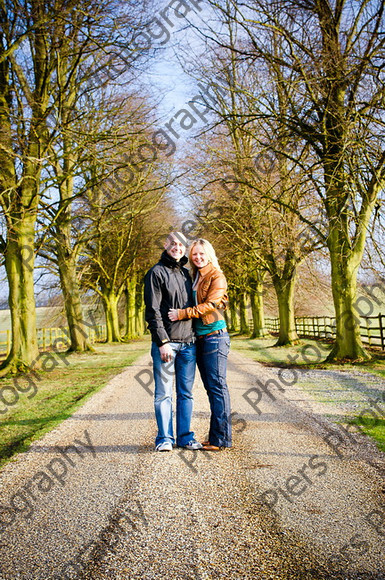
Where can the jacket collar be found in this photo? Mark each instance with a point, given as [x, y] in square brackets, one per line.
[170, 262]
[206, 269]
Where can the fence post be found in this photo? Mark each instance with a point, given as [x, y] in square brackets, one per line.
[380, 317]
[368, 331]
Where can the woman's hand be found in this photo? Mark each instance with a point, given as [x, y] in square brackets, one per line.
[173, 314]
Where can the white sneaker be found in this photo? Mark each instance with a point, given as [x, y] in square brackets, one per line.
[165, 446]
[193, 445]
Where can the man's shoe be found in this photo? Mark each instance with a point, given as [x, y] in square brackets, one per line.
[165, 446]
[193, 445]
[209, 447]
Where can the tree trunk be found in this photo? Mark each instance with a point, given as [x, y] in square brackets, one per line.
[139, 310]
[130, 294]
[227, 319]
[244, 327]
[284, 288]
[257, 309]
[233, 315]
[110, 304]
[344, 264]
[19, 264]
[70, 288]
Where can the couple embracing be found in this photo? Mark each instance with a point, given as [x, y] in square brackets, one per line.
[184, 312]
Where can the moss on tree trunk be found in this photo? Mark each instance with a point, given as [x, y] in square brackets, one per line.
[344, 263]
[139, 310]
[244, 327]
[19, 264]
[284, 288]
[110, 304]
[257, 308]
[69, 284]
[130, 294]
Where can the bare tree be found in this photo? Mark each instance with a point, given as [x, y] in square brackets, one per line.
[332, 55]
[83, 118]
[113, 216]
[26, 68]
[261, 188]
[53, 55]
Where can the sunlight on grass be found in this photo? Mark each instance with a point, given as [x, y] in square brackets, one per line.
[309, 353]
[264, 351]
[374, 427]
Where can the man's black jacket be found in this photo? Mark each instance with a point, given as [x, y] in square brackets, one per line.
[168, 285]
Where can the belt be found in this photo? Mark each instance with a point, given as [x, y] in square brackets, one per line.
[211, 333]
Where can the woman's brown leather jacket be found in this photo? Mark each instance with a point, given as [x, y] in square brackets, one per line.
[211, 296]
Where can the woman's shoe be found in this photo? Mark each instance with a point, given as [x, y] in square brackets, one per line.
[206, 446]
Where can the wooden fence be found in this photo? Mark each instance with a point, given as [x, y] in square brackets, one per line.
[372, 328]
[53, 338]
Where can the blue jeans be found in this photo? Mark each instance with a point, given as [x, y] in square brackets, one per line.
[182, 367]
[212, 352]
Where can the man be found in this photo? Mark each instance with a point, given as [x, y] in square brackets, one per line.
[168, 285]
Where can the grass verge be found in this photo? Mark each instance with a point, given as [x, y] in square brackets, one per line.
[374, 427]
[52, 396]
[311, 354]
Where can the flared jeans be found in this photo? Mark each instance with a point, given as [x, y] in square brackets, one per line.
[212, 352]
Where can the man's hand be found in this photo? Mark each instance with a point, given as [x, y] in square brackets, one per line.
[165, 352]
[173, 314]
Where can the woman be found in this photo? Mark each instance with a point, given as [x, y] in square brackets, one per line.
[213, 341]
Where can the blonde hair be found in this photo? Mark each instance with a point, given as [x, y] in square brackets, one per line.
[209, 251]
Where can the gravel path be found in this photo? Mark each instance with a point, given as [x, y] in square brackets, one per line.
[296, 497]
